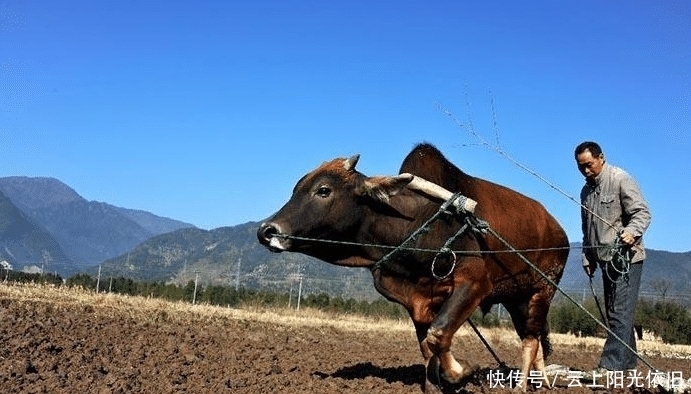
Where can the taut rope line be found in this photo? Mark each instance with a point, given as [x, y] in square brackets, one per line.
[619, 255]
[424, 250]
[581, 307]
[471, 130]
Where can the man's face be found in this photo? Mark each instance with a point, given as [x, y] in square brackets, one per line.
[588, 165]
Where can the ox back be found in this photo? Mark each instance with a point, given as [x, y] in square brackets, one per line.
[519, 219]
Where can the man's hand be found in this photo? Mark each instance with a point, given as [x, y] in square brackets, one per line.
[627, 238]
[588, 267]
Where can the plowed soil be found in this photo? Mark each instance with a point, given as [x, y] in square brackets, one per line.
[55, 342]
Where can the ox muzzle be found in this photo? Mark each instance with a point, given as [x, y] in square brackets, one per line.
[269, 235]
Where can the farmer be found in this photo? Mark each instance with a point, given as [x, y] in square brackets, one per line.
[614, 216]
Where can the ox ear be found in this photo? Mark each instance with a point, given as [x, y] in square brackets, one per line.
[349, 163]
[382, 187]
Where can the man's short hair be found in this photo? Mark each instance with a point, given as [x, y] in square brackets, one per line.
[590, 146]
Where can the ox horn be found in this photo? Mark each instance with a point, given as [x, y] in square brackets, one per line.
[462, 203]
[349, 163]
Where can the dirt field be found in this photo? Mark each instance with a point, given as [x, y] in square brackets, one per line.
[60, 341]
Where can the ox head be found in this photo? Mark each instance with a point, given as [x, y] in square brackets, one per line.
[330, 203]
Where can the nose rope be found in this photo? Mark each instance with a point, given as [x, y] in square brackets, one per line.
[331, 241]
[423, 250]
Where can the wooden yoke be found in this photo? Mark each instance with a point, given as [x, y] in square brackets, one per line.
[463, 204]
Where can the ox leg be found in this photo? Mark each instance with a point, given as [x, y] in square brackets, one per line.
[533, 359]
[452, 315]
[528, 319]
[432, 380]
[421, 332]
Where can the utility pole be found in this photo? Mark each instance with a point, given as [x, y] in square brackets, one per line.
[292, 278]
[45, 259]
[290, 295]
[194, 296]
[300, 291]
[98, 278]
[237, 277]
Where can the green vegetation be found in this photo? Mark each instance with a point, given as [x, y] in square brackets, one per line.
[565, 317]
[666, 319]
[23, 277]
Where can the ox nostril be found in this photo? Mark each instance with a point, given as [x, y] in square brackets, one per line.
[267, 231]
[270, 235]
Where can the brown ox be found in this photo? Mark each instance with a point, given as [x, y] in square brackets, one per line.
[335, 202]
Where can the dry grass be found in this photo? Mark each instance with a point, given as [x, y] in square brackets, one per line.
[648, 347]
[157, 310]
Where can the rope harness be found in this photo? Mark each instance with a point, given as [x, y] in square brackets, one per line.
[619, 264]
[468, 224]
[424, 228]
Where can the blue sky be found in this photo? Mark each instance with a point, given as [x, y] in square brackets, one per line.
[209, 112]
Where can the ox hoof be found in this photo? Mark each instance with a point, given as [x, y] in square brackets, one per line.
[433, 377]
[438, 381]
[462, 370]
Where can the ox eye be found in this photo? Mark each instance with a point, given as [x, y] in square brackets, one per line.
[323, 191]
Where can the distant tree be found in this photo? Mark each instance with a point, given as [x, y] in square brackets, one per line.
[669, 320]
[661, 286]
[82, 280]
[318, 301]
[565, 317]
[220, 295]
[127, 286]
[338, 305]
[189, 291]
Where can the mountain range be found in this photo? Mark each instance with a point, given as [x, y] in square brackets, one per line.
[214, 256]
[46, 224]
[74, 233]
[25, 243]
